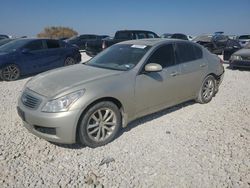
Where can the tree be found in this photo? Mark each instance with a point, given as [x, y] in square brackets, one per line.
[55, 32]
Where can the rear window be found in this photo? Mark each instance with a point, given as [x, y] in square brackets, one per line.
[188, 52]
[244, 37]
[53, 44]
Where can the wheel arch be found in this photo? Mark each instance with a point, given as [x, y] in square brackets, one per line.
[110, 99]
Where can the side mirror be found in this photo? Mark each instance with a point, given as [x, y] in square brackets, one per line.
[25, 50]
[153, 67]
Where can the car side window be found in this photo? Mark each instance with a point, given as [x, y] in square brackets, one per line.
[53, 44]
[163, 56]
[141, 35]
[34, 45]
[186, 52]
[151, 35]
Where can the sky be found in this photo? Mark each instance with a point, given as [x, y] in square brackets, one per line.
[194, 17]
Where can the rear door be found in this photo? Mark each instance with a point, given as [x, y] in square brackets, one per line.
[193, 68]
[54, 54]
[156, 90]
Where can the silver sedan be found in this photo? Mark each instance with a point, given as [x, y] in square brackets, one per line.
[90, 102]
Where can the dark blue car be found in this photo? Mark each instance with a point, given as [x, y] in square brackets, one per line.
[29, 56]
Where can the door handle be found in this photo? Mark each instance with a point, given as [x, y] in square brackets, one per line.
[203, 65]
[174, 74]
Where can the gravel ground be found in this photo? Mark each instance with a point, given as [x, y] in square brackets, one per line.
[191, 145]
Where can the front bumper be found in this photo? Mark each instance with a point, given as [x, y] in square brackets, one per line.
[239, 63]
[54, 127]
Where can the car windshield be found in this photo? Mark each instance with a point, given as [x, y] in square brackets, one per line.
[12, 45]
[119, 57]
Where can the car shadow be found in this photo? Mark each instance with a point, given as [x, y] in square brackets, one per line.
[238, 68]
[134, 123]
[154, 116]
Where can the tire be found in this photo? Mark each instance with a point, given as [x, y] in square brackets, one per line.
[207, 90]
[10, 73]
[100, 124]
[69, 61]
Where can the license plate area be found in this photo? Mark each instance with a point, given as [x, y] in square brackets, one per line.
[21, 113]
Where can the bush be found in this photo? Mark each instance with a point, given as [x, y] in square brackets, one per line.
[57, 32]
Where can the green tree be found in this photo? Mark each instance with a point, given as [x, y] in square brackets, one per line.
[56, 32]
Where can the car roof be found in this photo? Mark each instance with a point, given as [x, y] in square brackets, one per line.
[150, 42]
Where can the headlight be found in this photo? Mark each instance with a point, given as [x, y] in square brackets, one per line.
[62, 104]
[236, 57]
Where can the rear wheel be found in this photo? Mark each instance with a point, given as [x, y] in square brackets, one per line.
[207, 90]
[69, 61]
[10, 73]
[100, 124]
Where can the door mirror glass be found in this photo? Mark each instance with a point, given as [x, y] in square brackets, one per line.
[153, 67]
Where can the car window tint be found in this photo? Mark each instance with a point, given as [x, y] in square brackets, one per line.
[53, 44]
[141, 35]
[34, 45]
[187, 52]
[124, 35]
[163, 56]
[151, 35]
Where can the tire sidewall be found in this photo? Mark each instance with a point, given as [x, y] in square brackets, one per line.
[201, 99]
[82, 134]
[1, 72]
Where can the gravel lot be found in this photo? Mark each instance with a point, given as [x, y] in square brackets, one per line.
[191, 145]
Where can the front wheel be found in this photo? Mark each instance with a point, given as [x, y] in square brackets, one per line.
[207, 90]
[100, 124]
[10, 73]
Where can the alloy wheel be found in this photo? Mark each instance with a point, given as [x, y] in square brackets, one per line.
[10, 72]
[101, 124]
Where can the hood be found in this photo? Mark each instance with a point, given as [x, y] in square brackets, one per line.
[54, 82]
[243, 52]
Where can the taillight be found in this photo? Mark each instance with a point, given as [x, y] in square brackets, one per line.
[103, 45]
[221, 61]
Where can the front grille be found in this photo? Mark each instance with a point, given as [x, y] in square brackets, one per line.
[30, 101]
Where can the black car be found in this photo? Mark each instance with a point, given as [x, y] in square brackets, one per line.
[81, 40]
[179, 36]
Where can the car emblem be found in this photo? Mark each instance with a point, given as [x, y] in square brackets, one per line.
[24, 99]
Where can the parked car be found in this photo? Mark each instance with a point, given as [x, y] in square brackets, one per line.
[179, 36]
[81, 40]
[218, 44]
[4, 37]
[124, 82]
[28, 56]
[166, 35]
[95, 46]
[176, 36]
[124, 35]
[241, 58]
[243, 40]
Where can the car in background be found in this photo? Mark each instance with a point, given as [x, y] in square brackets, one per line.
[93, 47]
[166, 35]
[124, 35]
[218, 44]
[241, 58]
[243, 40]
[29, 56]
[81, 40]
[175, 36]
[124, 82]
[4, 37]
